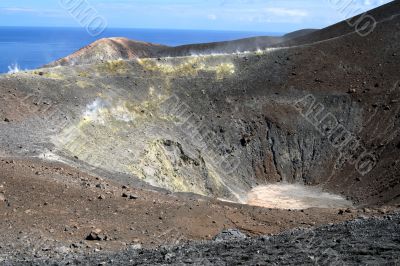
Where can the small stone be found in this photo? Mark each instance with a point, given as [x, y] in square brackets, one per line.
[135, 247]
[230, 235]
[7, 120]
[129, 196]
[2, 197]
[169, 256]
[96, 236]
[133, 196]
[102, 197]
[63, 250]
[75, 245]
[101, 186]
[340, 212]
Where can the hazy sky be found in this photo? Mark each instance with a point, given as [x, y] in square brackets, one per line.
[243, 15]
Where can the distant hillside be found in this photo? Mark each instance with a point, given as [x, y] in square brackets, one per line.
[122, 48]
[109, 49]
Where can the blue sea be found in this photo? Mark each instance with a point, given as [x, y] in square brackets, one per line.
[28, 48]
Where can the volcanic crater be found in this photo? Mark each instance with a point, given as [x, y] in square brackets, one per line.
[302, 127]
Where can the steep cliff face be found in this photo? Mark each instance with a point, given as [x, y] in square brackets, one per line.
[218, 125]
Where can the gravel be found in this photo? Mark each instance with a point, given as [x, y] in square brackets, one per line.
[374, 241]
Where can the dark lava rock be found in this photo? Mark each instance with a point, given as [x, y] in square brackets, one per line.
[360, 242]
[129, 196]
[96, 236]
[93, 237]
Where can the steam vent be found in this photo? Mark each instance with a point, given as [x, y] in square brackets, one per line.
[249, 148]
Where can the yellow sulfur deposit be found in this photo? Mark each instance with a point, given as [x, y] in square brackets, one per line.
[190, 66]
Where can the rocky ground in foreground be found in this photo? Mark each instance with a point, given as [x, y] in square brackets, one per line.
[374, 241]
[51, 211]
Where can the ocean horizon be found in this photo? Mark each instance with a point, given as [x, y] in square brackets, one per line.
[25, 48]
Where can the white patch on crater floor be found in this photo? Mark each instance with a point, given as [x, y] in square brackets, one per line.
[294, 196]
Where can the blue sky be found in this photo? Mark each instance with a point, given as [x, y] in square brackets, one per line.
[241, 15]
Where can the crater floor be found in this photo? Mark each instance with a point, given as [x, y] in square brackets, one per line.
[295, 197]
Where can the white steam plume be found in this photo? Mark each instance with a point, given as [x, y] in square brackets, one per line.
[13, 68]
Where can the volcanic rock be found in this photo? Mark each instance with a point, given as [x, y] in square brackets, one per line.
[230, 235]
